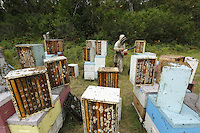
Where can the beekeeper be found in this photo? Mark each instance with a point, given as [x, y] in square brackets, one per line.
[119, 48]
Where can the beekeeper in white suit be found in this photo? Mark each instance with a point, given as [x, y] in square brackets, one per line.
[119, 48]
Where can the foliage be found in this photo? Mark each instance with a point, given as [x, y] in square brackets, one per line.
[76, 20]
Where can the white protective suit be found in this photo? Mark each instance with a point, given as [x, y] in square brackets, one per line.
[118, 57]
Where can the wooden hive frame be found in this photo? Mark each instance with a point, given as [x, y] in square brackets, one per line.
[164, 59]
[30, 90]
[71, 71]
[108, 76]
[86, 54]
[140, 46]
[53, 46]
[25, 55]
[57, 70]
[142, 69]
[98, 47]
[100, 115]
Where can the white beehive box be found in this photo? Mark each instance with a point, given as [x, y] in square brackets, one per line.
[149, 125]
[142, 69]
[100, 60]
[100, 109]
[193, 63]
[73, 70]
[89, 67]
[173, 85]
[100, 46]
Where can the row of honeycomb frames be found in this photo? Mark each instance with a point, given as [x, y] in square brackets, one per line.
[31, 94]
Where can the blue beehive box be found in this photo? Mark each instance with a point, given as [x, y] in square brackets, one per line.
[167, 121]
[173, 85]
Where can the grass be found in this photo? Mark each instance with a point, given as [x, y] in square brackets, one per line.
[129, 122]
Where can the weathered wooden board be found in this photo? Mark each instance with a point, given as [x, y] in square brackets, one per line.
[53, 46]
[89, 54]
[173, 85]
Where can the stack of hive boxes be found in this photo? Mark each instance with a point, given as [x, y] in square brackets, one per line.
[142, 71]
[100, 109]
[35, 89]
[94, 55]
[165, 112]
[54, 47]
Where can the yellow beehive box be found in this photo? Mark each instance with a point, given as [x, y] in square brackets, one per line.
[39, 123]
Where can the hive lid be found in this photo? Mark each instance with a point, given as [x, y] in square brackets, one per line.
[108, 69]
[55, 58]
[26, 72]
[99, 93]
[27, 45]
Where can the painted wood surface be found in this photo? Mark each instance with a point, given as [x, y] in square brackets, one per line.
[173, 85]
[89, 75]
[63, 92]
[193, 63]
[167, 121]
[100, 60]
[39, 123]
[140, 109]
[89, 67]
[149, 125]
[143, 91]
[190, 100]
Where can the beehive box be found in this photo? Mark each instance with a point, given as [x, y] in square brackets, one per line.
[38, 123]
[193, 63]
[3, 71]
[100, 60]
[140, 95]
[57, 70]
[73, 70]
[89, 70]
[100, 46]
[6, 110]
[100, 109]
[30, 90]
[167, 58]
[30, 55]
[142, 69]
[167, 121]
[108, 76]
[89, 54]
[173, 85]
[190, 100]
[140, 46]
[54, 46]
[149, 125]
